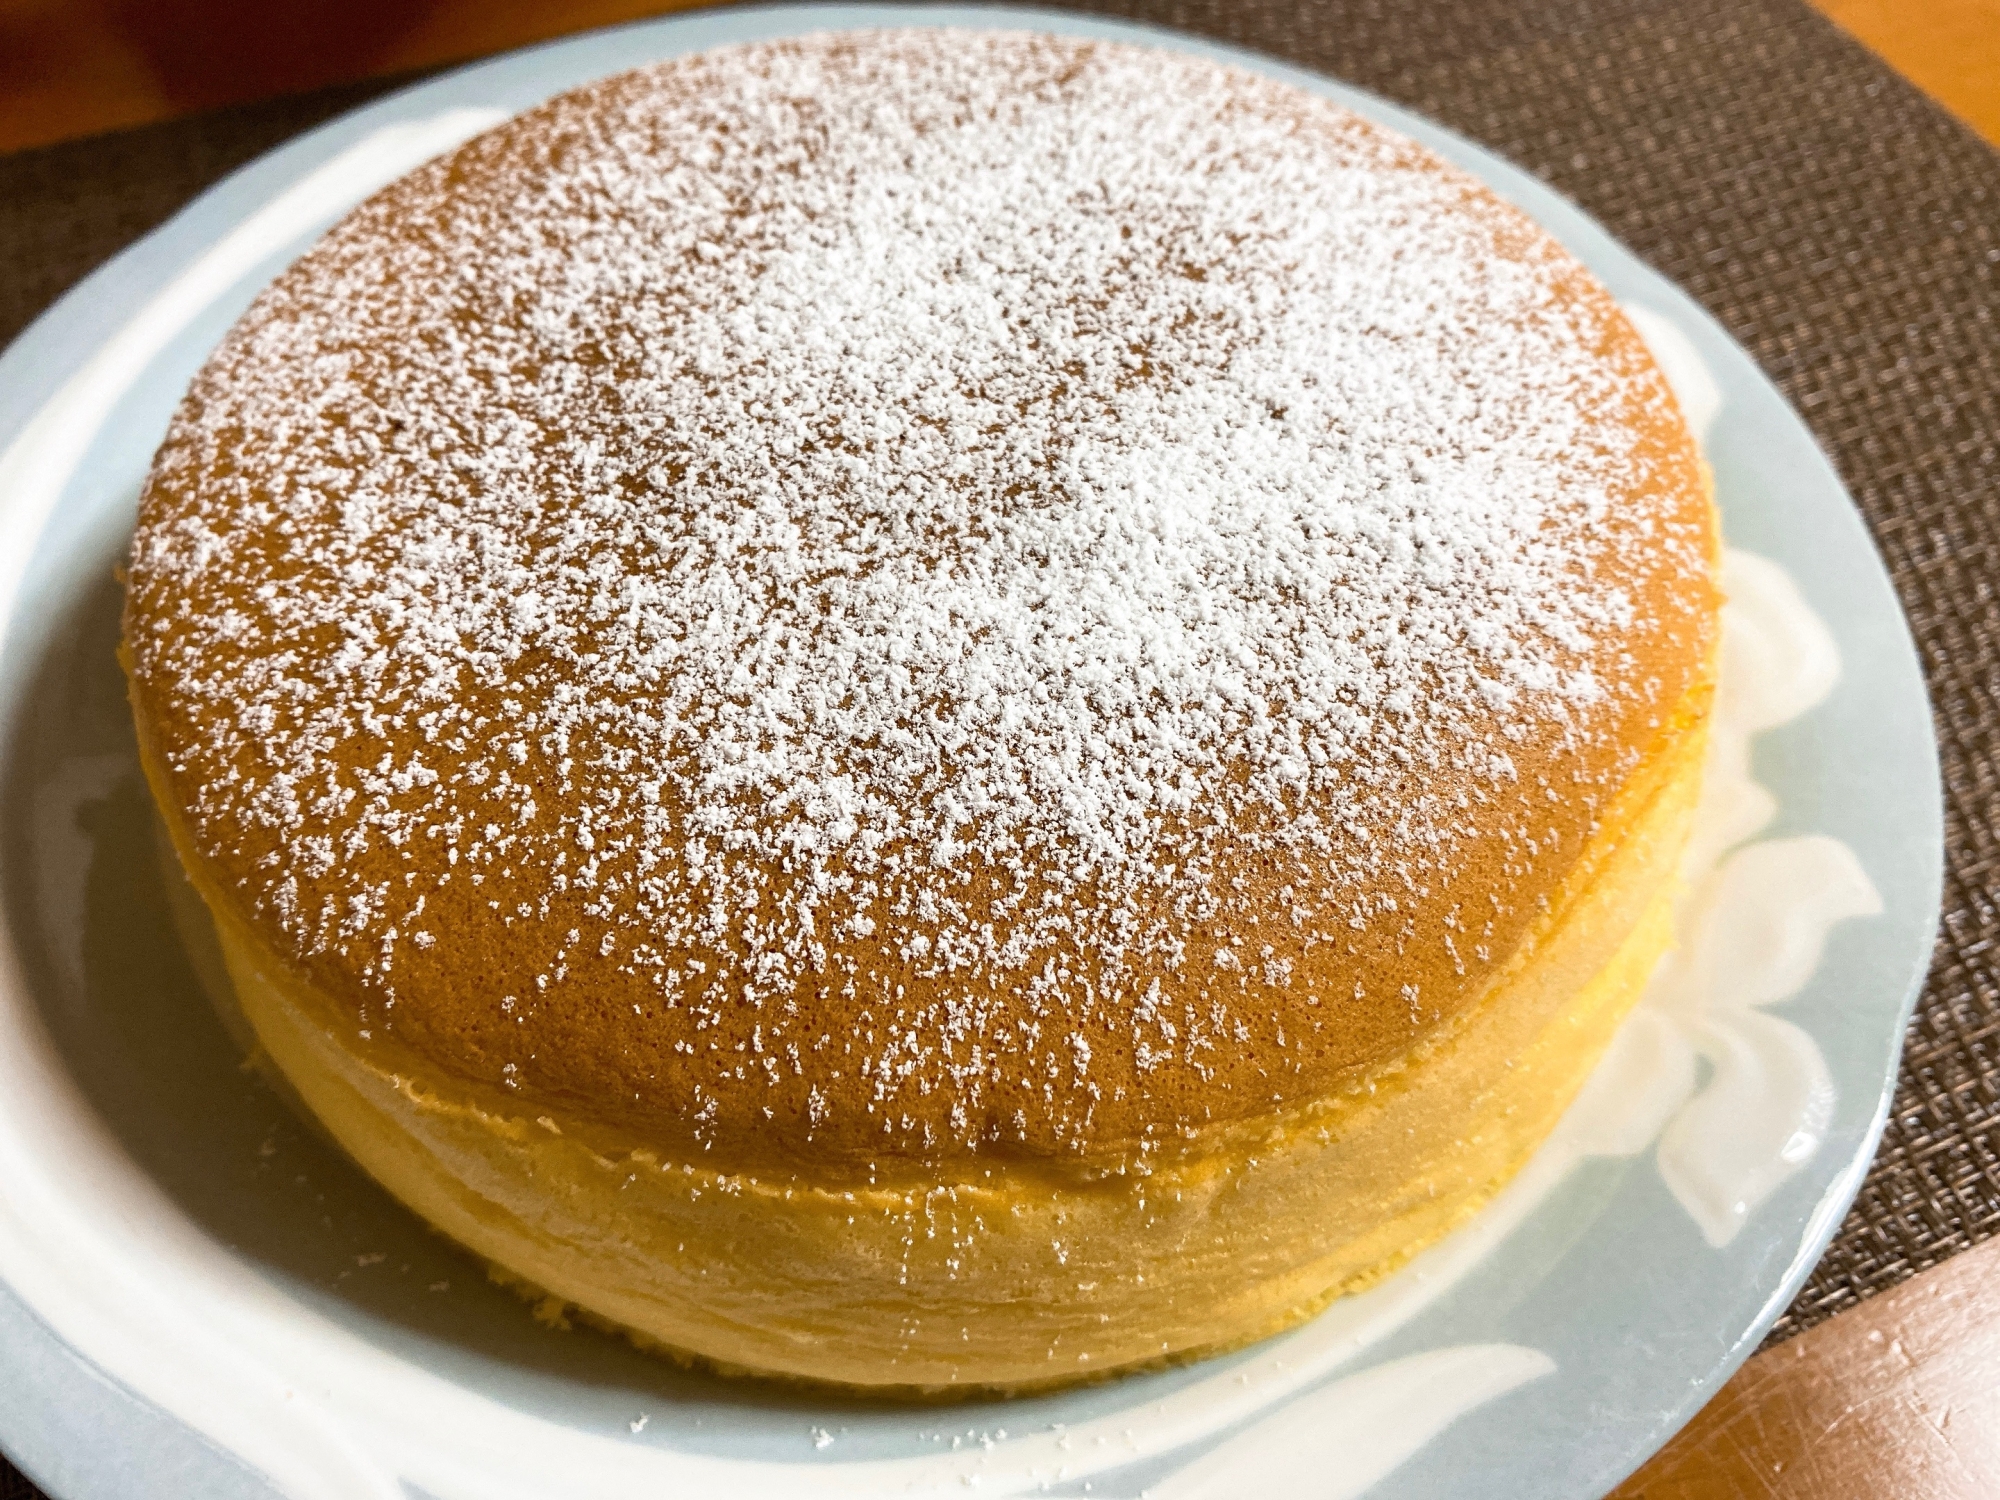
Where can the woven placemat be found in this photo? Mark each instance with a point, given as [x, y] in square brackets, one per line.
[1844, 229]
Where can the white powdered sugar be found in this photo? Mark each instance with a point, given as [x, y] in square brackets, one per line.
[965, 493]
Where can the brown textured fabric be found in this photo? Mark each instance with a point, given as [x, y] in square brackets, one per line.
[1844, 229]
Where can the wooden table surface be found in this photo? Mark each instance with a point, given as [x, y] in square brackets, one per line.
[1897, 1399]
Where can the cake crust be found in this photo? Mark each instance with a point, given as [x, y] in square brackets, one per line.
[668, 614]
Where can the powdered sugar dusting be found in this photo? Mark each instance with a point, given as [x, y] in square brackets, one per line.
[950, 528]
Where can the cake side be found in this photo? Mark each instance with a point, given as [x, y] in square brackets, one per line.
[1009, 1276]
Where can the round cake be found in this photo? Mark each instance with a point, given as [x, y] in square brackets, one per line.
[931, 709]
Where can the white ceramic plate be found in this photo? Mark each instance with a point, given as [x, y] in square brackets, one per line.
[199, 1298]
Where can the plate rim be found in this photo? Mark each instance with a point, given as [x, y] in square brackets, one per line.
[77, 321]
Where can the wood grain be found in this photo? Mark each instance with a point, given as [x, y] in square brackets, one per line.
[1897, 1399]
[71, 68]
[1948, 48]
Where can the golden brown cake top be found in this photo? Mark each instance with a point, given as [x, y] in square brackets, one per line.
[887, 596]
